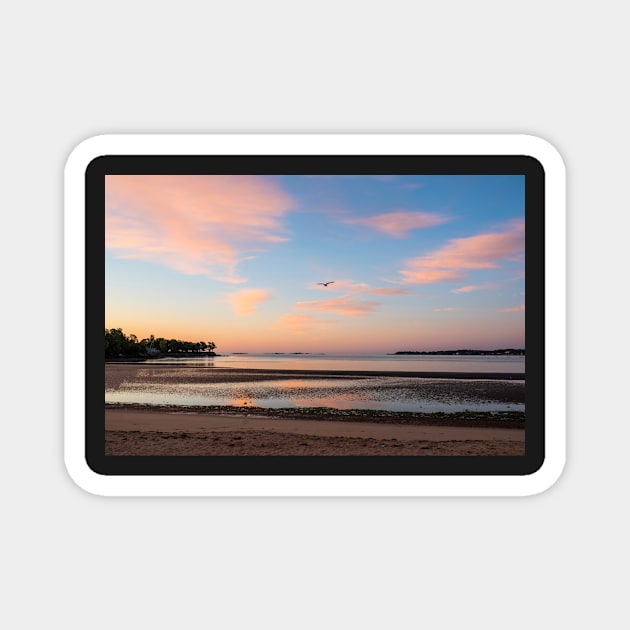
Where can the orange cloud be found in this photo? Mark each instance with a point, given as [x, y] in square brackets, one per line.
[345, 305]
[514, 309]
[398, 224]
[484, 251]
[247, 300]
[194, 224]
[300, 324]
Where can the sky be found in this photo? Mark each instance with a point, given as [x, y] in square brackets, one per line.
[415, 262]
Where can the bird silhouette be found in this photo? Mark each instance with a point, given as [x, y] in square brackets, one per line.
[326, 283]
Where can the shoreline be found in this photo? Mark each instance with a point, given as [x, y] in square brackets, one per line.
[472, 419]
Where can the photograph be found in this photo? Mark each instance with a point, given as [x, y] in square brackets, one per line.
[347, 315]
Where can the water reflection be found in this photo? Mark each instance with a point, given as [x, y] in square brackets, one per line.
[381, 393]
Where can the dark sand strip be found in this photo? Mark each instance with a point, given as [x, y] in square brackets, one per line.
[221, 373]
[141, 420]
[504, 376]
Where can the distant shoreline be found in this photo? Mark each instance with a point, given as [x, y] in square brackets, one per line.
[505, 352]
[513, 352]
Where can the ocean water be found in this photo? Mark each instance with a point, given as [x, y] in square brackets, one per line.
[350, 362]
[193, 382]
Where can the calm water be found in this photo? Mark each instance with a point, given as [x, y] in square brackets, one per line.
[194, 382]
[376, 362]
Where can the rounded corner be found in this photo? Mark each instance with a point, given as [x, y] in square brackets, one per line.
[86, 152]
[83, 476]
[545, 153]
[545, 476]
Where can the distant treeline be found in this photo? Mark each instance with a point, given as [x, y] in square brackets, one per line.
[503, 351]
[118, 344]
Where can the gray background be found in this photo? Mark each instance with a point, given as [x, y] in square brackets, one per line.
[72, 70]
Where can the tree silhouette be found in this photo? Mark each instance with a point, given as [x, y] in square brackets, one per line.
[118, 344]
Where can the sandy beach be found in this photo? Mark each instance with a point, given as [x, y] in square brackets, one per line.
[172, 431]
[239, 426]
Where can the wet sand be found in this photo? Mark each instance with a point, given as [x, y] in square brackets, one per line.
[168, 431]
[320, 389]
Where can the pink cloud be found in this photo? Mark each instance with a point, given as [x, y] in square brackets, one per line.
[387, 291]
[428, 276]
[346, 286]
[474, 287]
[484, 251]
[194, 224]
[514, 309]
[467, 289]
[398, 224]
[447, 308]
[345, 305]
[247, 300]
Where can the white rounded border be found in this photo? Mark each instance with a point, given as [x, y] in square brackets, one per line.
[313, 144]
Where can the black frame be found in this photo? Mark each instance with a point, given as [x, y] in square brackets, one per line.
[528, 166]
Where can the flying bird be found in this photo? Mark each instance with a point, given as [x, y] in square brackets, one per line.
[326, 283]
